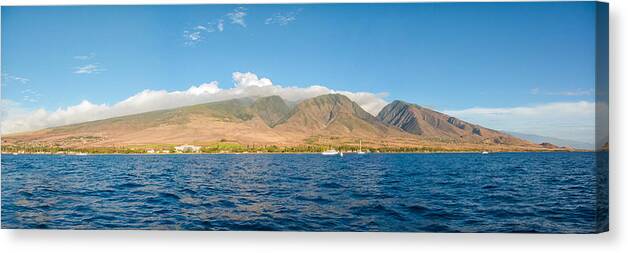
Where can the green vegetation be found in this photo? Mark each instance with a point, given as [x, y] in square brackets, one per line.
[225, 147]
[273, 110]
[228, 110]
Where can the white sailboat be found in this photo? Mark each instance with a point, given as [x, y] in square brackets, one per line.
[330, 152]
[360, 152]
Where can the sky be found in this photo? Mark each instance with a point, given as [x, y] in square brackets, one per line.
[522, 67]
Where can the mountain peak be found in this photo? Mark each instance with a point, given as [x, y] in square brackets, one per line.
[401, 103]
[272, 109]
[333, 113]
[427, 123]
[334, 98]
[270, 121]
[273, 97]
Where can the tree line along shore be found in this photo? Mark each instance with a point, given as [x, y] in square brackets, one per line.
[220, 148]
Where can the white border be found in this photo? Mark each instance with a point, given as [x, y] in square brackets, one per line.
[175, 241]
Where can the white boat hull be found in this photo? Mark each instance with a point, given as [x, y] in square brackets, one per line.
[330, 152]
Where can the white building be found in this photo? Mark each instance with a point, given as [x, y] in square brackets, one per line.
[188, 148]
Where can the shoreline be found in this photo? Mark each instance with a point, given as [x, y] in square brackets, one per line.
[306, 153]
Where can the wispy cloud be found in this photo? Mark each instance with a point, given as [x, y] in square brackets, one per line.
[216, 25]
[245, 84]
[89, 69]
[535, 91]
[237, 16]
[201, 27]
[568, 93]
[283, 18]
[574, 93]
[221, 25]
[84, 57]
[12, 78]
[192, 37]
[197, 33]
[30, 95]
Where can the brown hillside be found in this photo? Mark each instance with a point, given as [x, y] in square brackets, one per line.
[323, 120]
[429, 124]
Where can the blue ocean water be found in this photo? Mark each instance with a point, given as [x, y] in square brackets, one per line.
[499, 192]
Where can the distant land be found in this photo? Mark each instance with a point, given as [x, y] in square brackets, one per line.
[271, 124]
[557, 141]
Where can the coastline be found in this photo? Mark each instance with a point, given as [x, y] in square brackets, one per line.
[310, 153]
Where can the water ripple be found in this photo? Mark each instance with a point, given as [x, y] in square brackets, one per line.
[517, 192]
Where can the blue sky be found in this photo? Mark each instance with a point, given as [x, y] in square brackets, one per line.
[452, 57]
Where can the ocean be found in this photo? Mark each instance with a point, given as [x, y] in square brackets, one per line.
[446, 192]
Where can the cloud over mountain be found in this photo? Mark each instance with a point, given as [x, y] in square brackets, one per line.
[567, 120]
[17, 119]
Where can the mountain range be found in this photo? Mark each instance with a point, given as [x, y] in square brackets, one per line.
[557, 141]
[331, 119]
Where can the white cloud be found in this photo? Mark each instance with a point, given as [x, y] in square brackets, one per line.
[195, 34]
[30, 95]
[17, 119]
[206, 88]
[237, 16]
[249, 79]
[88, 69]
[283, 18]
[221, 25]
[191, 37]
[12, 78]
[566, 120]
[84, 57]
[535, 91]
[568, 93]
[573, 93]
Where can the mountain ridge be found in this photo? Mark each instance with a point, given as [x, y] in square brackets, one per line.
[556, 141]
[428, 123]
[330, 118]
